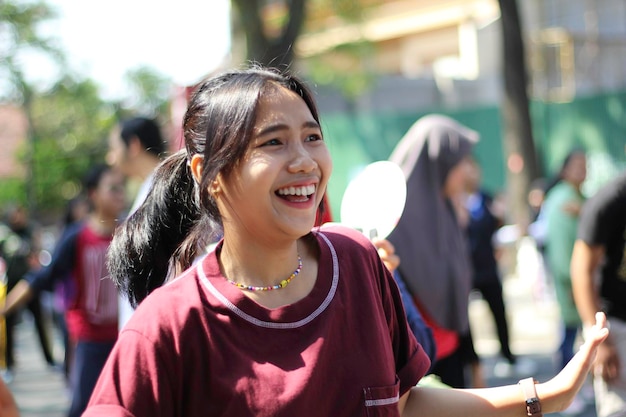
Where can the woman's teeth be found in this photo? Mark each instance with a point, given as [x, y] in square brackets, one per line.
[303, 190]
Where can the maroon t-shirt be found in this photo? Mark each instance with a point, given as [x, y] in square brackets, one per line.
[79, 261]
[199, 347]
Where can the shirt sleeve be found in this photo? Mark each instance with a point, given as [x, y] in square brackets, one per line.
[593, 225]
[62, 263]
[412, 362]
[134, 381]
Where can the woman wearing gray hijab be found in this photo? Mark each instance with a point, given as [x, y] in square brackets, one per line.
[429, 238]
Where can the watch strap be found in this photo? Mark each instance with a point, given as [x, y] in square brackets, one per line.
[533, 405]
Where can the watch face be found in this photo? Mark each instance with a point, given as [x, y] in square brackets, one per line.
[533, 406]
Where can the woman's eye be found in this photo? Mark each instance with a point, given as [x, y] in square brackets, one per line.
[313, 138]
[271, 142]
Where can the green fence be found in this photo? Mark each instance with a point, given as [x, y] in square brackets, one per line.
[596, 124]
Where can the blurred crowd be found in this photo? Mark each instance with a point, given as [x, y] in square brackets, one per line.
[450, 240]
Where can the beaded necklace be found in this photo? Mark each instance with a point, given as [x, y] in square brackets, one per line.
[281, 284]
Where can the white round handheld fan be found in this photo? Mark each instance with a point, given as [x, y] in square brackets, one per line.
[374, 200]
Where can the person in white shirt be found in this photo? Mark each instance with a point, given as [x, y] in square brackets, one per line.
[136, 147]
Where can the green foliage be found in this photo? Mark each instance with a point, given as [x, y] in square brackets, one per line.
[69, 121]
[150, 91]
[348, 10]
[12, 190]
[346, 70]
[19, 21]
[70, 131]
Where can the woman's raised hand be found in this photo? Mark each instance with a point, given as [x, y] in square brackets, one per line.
[563, 387]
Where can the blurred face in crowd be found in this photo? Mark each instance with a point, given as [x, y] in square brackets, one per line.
[18, 219]
[474, 176]
[118, 153]
[109, 197]
[456, 181]
[575, 171]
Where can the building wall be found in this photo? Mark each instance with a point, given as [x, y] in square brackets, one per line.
[13, 133]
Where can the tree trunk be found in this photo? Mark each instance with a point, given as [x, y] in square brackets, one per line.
[276, 51]
[519, 146]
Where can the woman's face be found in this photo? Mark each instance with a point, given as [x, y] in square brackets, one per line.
[575, 171]
[279, 184]
[456, 180]
[109, 197]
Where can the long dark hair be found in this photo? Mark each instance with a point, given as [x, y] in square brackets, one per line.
[148, 133]
[558, 177]
[175, 223]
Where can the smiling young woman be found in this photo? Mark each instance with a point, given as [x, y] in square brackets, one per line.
[332, 342]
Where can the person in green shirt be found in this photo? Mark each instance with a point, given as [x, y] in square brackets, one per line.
[562, 206]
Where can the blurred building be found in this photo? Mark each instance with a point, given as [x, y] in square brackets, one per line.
[13, 134]
[448, 52]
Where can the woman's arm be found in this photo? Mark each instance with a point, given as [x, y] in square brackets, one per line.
[8, 407]
[555, 395]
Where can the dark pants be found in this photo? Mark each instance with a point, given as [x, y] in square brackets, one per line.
[59, 320]
[34, 306]
[492, 294]
[451, 369]
[89, 359]
[566, 350]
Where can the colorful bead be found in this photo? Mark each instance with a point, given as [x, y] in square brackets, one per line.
[278, 286]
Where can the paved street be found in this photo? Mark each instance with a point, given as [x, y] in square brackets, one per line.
[40, 391]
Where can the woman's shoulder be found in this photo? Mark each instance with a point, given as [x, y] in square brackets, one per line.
[339, 231]
[344, 237]
[170, 304]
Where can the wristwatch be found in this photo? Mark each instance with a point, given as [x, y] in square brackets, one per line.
[533, 406]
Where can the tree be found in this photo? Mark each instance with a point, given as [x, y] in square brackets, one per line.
[68, 122]
[519, 146]
[270, 38]
[72, 125]
[151, 92]
[18, 31]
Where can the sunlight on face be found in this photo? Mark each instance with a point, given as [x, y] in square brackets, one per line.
[276, 189]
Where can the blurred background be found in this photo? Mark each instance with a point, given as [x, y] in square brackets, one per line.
[535, 78]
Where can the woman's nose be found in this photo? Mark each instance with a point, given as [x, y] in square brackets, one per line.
[302, 160]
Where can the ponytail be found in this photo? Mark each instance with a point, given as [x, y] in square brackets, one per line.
[179, 217]
[164, 235]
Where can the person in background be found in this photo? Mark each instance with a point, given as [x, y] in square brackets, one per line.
[8, 407]
[282, 318]
[430, 239]
[136, 147]
[76, 211]
[598, 271]
[423, 333]
[91, 315]
[20, 249]
[484, 219]
[562, 206]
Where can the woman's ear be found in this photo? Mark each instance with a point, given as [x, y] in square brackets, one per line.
[215, 187]
[196, 167]
[196, 164]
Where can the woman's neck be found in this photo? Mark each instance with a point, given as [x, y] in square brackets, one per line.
[103, 225]
[256, 265]
[268, 266]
